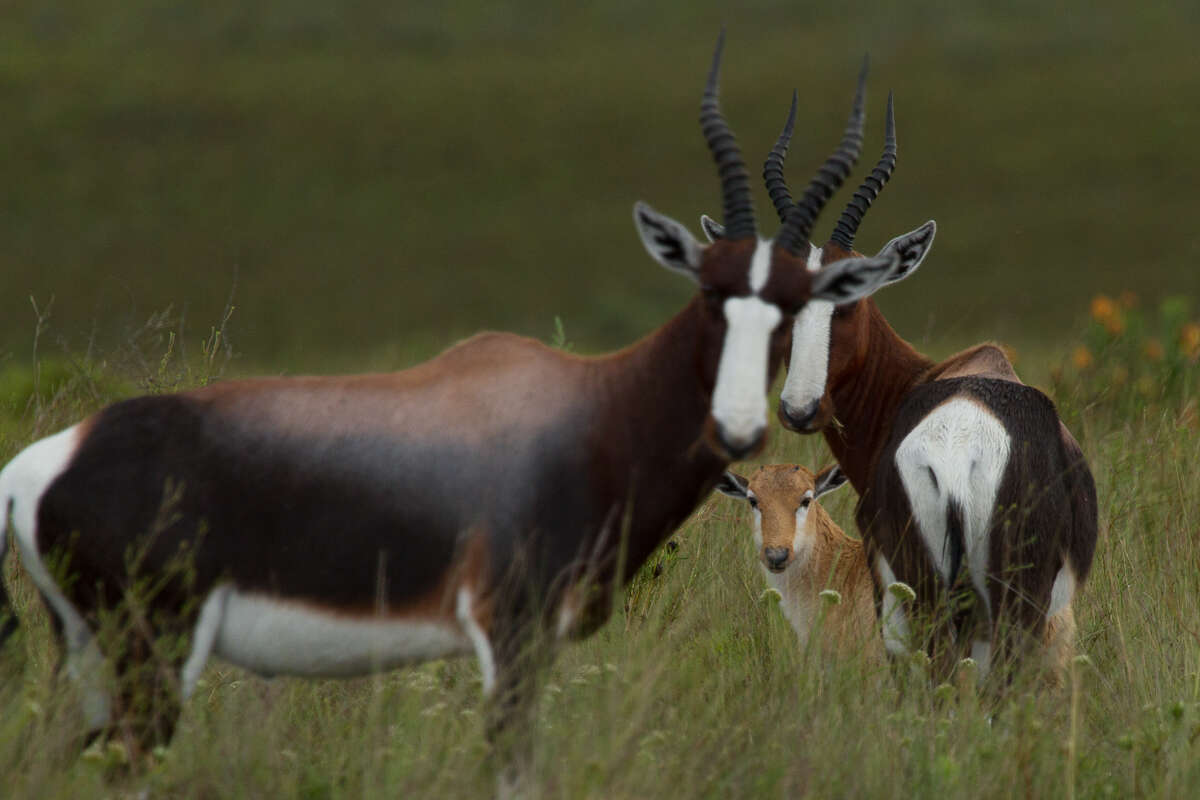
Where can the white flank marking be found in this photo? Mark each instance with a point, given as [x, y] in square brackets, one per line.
[203, 639]
[739, 402]
[1062, 591]
[895, 622]
[22, 483]
[808, 368]
[760, 266]
[483, 646]
[965, 447]
[271, 636]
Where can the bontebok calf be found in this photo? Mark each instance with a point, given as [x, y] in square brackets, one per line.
[820, 573]
[484, 501]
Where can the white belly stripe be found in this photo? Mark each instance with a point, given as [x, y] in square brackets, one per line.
[275, 637]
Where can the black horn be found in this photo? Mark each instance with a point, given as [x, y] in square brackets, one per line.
[798, 218]
[735, 182]
[847, 226]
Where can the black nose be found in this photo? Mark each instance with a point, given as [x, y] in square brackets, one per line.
[798, 419]
[739, 448]
[776, 557]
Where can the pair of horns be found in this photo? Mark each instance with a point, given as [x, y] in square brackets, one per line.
[797, 218]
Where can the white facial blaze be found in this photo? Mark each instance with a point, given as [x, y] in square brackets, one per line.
[739, 403]
[801, 541]
[809, 366]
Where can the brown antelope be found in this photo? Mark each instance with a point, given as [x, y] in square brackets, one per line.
[804, 553]
[320, 521]
[961, 454]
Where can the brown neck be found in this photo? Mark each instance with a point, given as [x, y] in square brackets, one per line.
[658, 402]
[867, 395]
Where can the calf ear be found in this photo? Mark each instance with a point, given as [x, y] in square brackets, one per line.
[829, 479]
[712, 229]
[734, 485]
[911, 249]
[671, 244]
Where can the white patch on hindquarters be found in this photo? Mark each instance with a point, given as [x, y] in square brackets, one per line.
[896, 633]
[739, 401]
[274, 636]
[479, 638]
[22, 484]
[958, 452]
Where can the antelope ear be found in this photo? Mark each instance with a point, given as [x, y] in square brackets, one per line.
[911, 249]
[712, 229]
[671, 244]
[734, 485]
[852, 279]
[829, 479]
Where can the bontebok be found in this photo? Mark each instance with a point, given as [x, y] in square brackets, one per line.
[487, 501]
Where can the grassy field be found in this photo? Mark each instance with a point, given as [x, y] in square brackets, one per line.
[697, 688]
[370, 183]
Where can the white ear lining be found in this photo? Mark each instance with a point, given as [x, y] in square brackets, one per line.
[667, 241]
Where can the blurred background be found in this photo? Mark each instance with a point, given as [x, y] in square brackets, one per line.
[371, 181]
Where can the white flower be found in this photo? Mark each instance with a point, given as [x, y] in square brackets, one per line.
[901, 591]
[831, 596]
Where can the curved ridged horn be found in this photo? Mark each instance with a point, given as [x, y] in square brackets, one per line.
[798, 218]
[773, 167]
[847, 225]
[735, 182]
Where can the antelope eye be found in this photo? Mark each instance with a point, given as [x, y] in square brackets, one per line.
[840, 312]
[753, 501]
[804, 503]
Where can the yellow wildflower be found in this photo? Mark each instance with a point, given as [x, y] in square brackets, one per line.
[1127, 299]
[1108, 314]
[1154, 349]
[1103, 307]
[1189, 341]
[1082, 357]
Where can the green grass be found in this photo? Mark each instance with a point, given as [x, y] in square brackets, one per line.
[696, 687]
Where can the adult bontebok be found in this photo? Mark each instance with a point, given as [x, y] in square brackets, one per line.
[804, 553]
[483, 501]
[967, 477]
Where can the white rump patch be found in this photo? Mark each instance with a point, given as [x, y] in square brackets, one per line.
[896, 632]
[739, 402]
[22, 484]
[272, 636]
[957, 452]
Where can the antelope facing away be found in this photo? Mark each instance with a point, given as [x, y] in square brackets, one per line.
[314, 526]
[803, 552]
[969, 483]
